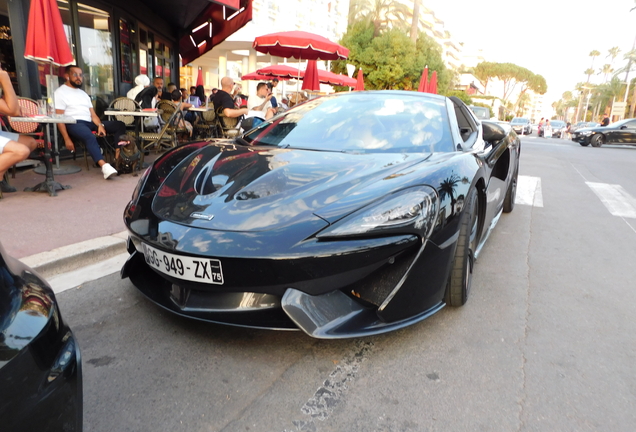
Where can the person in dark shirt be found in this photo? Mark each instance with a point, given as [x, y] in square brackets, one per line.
[223, 100]
[605, 120]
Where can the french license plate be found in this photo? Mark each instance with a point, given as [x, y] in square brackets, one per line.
[204, 270]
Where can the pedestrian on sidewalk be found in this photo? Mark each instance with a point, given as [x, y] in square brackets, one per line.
[14, 148]
[74, 102]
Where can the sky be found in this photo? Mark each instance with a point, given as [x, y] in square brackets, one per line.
[550, 38]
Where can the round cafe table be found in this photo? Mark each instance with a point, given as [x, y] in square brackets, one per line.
[49, 184]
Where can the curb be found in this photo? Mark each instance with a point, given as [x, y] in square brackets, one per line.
[75, 256]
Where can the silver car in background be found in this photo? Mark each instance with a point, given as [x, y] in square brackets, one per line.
[521, 125]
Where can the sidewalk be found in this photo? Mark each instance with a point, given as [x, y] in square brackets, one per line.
[79, 226]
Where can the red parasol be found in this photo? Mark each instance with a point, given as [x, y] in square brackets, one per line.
[331, 78]
[255, 76]
[432, 86]
[310, 79]
[200, 78]
[360, 81]
[45, 38]
[300, 45]
[280, 71]
[423, 87]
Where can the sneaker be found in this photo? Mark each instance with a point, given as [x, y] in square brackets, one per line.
[6, 187]
[108, 170]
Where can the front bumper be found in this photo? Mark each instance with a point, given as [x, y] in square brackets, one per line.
[356, 297]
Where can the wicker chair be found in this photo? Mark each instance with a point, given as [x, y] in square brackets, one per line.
[125, 104]
[28, 107]
[206, 125]
[166, 138]
[229, 126]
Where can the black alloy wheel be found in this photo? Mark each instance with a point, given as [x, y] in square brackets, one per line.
[461, 276]
[597, 140]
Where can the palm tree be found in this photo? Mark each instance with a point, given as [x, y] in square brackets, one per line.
[416, 20]
[383, 14]
[613, 53]
[605, 70]
[447, 189]
[589, 72]
[594, 54]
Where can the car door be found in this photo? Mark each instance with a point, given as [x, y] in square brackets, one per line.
[627, 133]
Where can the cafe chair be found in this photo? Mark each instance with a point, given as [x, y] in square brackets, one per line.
[28, 107]
[125, 104]
[229, 126]
[206, 125]
[166, 138]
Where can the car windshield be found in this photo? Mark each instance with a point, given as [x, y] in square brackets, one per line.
[519, 121]
[557, 123]
[370, 122]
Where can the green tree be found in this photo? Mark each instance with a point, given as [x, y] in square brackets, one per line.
[391, 60]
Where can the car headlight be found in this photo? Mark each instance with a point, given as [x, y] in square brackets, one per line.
[413, 208]
[586, 133]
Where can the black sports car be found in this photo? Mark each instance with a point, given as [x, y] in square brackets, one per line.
[40, 366]
[348, 215]
[620, 132]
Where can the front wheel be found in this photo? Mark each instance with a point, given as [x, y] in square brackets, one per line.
[461, 276]
[597, 140]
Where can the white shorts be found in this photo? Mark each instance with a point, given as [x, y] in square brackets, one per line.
[5, 137]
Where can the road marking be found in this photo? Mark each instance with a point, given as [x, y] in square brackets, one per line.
[616, 199]
[529, 191]
[75, 278]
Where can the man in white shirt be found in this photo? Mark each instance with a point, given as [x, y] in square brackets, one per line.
[74, 102]
[259, 104]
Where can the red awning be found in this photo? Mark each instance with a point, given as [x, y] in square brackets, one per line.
[213, 26]
[234, 4]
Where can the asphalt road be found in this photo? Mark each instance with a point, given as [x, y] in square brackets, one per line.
[545, 343]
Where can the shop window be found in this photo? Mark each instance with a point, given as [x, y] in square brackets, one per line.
[127, 51]
[97, 53]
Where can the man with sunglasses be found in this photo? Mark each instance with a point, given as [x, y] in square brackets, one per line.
[72, 101]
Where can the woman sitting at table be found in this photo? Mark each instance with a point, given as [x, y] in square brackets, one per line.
[14, 148]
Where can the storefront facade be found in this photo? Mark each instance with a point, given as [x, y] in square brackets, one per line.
[112, 42]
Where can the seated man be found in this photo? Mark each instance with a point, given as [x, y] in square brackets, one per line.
[259, 104]
[14, 148]
[223, 101]
[71, 100]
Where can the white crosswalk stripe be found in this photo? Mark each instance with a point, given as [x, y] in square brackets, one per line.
[529, 191]
[616, 199]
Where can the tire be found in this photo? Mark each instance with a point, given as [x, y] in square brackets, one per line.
[584, 144]
[597, 140]
[511, 193]
[461, 275]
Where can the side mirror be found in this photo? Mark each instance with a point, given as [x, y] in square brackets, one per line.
[624, 127]
[492, 132]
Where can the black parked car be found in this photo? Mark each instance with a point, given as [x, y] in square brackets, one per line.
[349, 215]
[620, 132]
[40, 366]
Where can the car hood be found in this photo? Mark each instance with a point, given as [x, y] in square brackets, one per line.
[264, 188]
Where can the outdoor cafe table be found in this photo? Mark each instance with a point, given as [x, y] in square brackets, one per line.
[49, 184]
[137, 114]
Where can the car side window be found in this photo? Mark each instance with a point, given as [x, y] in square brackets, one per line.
[631, 124]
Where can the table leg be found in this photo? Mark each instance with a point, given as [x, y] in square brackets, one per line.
[49, 184]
